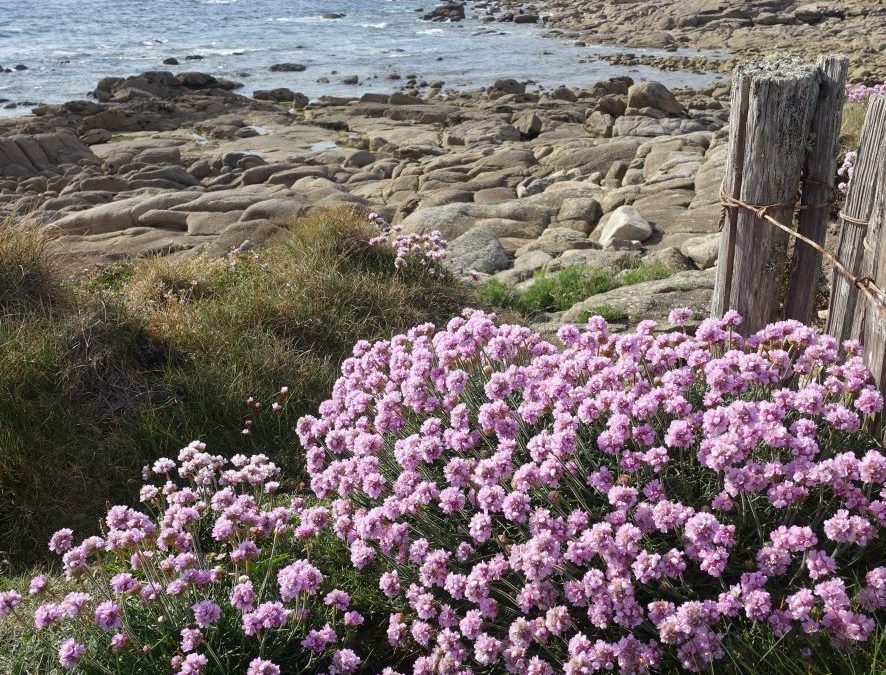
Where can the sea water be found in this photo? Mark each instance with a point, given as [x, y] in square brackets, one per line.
[68, 45]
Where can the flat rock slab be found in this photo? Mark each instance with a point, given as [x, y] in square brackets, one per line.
[514, 219]
[653, 299]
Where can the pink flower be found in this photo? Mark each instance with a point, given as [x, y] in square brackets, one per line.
[206, 613]
[107, 615]
[61, 541]
[70, 653]
[262, 667]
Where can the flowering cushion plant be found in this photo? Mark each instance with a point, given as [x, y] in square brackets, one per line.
[641, 501]
[211, 576]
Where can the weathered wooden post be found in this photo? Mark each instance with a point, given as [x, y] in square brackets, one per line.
[819, 170]
[860, 230]
[772, 108]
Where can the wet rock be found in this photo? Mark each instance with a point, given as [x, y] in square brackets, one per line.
[171, 61]
[526, 18]
[448, 11]
[288, 68]
[350, 79]
[505, 87]
[281, 95]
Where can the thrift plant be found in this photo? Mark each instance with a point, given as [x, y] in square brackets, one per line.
[426, 250]
[845, 171]
[859, 93]
[640, 501]
[210, 576]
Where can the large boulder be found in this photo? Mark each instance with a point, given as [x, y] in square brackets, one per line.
[625, 224]
[478, 250]
[653, 95]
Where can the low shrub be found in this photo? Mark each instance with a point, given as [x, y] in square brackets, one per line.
[215, 575]
[655, 502]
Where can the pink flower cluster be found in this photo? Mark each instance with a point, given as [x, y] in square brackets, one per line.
[859, 93]
[200, 555]
[426, 249]
[631, 500]
[847, 168]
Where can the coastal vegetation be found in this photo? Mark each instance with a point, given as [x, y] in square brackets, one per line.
[376, 538]
[419, 378]
[561, 290]
[106, 370]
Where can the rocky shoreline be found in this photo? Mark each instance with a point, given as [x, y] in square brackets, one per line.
[519, 181]
[742, 29]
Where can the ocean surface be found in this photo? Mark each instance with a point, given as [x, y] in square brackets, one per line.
[68, 45]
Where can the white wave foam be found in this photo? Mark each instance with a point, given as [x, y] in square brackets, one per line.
[383, 24]
[299, 19]
[431, 31]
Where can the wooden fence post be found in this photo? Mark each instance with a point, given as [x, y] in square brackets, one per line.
[818, 188]
[772, 107]
[846, 311]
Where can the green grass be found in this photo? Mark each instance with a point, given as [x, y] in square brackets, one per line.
[608, 312]
[103, 374]
[850, 129]
[560, 291]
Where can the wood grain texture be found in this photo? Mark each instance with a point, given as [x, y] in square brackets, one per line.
[819, 170]
[845, 313]
[869, 321]
[772, 107]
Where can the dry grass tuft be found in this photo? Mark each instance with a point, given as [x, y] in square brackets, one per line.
[137, 360]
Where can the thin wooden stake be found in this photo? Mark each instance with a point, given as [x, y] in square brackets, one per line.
[772, 107]
[844, 310]
[869, 323]
[818, 188]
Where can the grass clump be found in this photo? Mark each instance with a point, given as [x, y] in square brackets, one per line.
[560, 291]
[850, 129]
[100, 375]
[608, 312]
